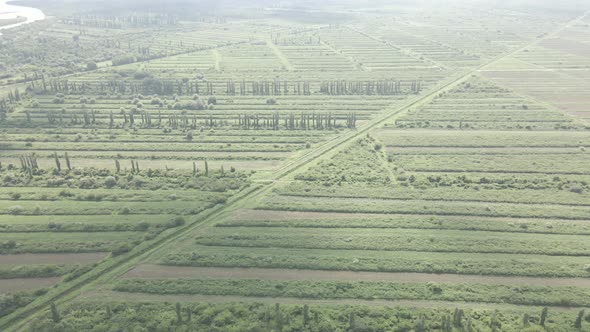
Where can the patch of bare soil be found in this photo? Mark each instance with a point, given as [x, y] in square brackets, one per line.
[11, 286]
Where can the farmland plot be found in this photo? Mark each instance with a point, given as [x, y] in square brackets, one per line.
[267, 174]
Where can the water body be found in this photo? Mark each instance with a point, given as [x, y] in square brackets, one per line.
[8, 11]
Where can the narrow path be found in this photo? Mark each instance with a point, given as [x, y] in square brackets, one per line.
[216, 59]
[280, 55]
[150, 271]
[410, 53]
[352, 59]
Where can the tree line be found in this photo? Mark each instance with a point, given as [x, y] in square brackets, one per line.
[146, 84]
[304, 121]
[145, 119]
[382, 87]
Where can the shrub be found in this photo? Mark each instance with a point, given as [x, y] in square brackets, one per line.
[110, 181]
[9, 244]
[434, 287]
[86, 183]
[178, 221]
[15, 209]
[123, 60]
[142, 226]
[121, 250]
[195, 105]
[54, 226]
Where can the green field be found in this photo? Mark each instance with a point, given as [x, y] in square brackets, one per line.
[320, 167]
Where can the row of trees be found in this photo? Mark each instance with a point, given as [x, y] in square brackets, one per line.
[275, 87]
[87, 118]
[30, 165]
[277, 319]
[122, 21]
[149, 85]
[59, 86]
[13, 96]
[304, 121]
[144, 119]
[384, 87]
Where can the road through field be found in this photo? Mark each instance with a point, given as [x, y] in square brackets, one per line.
[112, 270]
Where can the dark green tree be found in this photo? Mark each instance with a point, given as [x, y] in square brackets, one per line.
[351, 323]
[419, 324]
[68, 162]
[578, 323]
[278, 317]
[305, 315]
[189, 314]
[458, 317]
[54, 313]
[57, 163]
[544, 313]
[178, 313]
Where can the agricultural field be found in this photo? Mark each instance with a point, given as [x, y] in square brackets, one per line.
[269, 167]
[555, 71]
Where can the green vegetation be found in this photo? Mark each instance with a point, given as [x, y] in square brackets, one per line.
[264, 317]
[529, 295]
[329, 144]
[387, 261]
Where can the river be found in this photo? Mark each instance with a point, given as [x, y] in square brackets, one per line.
[8, 11]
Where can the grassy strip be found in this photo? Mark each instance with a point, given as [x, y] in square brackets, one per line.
[411, 222]
[525, 295]
[400, 239]
[554, 164]
[36, 271]
[101, 208]
[446, 193]
[385, 261]
[456, 138]
[52, 242]
[353, 205]
[72, 223]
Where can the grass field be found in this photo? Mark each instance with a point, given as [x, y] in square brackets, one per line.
[402, 168]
